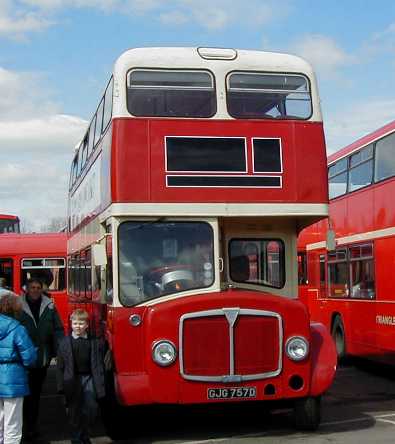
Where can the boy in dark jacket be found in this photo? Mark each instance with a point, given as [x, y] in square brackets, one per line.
[80, 371]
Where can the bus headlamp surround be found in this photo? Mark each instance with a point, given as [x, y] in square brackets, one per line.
[297, 348]
[164, 352]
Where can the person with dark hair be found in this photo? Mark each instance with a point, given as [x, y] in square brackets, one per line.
[42, 321]
[16, 353]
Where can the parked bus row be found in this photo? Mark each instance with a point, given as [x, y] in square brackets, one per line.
[39, 256]
[350, 288]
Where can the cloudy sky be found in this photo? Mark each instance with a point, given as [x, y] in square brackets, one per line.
[56, 56]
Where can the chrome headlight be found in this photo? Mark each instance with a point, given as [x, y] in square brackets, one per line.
[297, 348]
[164, 353]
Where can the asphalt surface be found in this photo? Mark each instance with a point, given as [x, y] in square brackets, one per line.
[359, 408]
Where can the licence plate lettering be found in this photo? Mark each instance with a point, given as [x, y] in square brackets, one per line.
[231, 392]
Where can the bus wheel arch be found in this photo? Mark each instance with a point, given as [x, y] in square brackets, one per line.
[339, 336]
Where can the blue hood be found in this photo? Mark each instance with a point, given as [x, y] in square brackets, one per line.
[7, 325]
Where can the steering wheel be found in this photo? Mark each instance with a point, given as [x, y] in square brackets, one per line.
[169, 279]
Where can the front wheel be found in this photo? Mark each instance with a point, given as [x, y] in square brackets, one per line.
[307, 413]
[116, 418]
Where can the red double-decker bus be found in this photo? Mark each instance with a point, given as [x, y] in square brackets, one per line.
[350, 288]
[9, 224]
[186, 196]
[41, 256]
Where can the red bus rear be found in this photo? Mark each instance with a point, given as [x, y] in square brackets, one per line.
[42, 256]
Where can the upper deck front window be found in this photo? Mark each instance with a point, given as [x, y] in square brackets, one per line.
[268, 96]
[159, 258]
[171, 93]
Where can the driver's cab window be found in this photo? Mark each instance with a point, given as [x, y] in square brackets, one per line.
[159, 258]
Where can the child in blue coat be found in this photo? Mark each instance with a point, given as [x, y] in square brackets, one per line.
[16, 352]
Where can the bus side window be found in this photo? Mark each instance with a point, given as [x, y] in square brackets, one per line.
[322, 272]
[6, 272]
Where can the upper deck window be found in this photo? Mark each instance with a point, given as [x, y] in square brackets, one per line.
[338, 178]
[268, 96]
[385, 160]
[361, 169]
[170, 93]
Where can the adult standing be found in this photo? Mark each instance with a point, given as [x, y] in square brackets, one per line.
[42, 321]
[16, 352]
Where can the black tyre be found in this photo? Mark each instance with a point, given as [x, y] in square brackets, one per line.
[114, 416]
[307, 413]
[339, 337]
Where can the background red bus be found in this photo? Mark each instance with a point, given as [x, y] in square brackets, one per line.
[42, 256]
[9, 224]
[186, 196]
[351, 288]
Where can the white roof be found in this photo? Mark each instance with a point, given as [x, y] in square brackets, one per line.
[184, 58]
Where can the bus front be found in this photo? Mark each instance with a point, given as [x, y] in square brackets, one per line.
[216, 162]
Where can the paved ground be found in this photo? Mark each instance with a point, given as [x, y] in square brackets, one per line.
[359, 408]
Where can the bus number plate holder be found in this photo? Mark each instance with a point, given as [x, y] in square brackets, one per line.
[231, 393]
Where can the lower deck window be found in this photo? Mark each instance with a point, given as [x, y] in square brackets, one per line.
[338, 280]
[351, 272]
[6, 273]
[50, 271]
[257, 261]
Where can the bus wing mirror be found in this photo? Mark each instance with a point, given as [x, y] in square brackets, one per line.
[99, 255]
[330, 240]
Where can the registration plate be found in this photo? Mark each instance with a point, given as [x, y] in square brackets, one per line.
[231, 393]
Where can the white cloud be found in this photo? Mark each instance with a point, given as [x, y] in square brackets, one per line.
[382, 42]
[21, 17]
[217, 14]
[349, 124]
[45, 136]
[34, 166]
[35, 152]
[174, 18]
[388, 32]
[23, 94]
[16, 22]
[323, 53]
